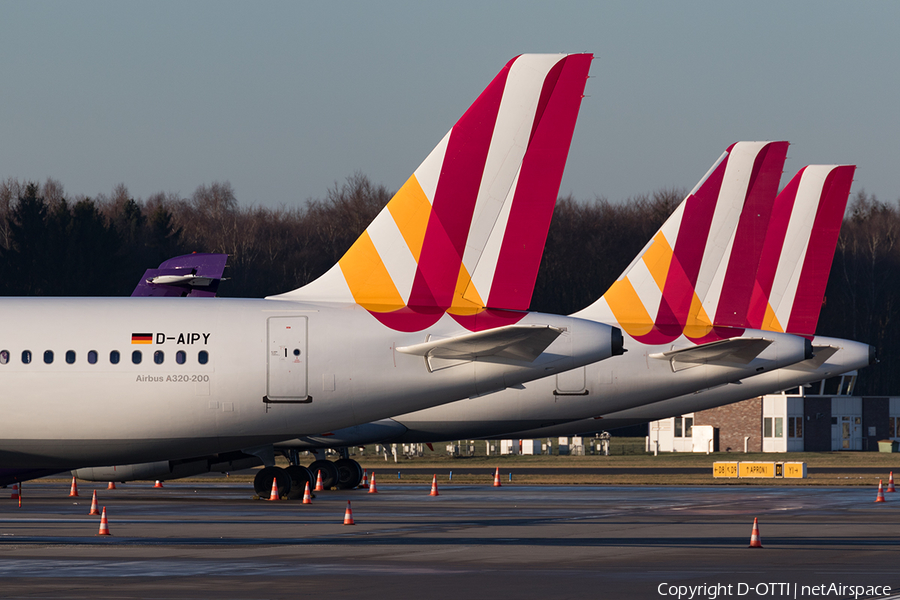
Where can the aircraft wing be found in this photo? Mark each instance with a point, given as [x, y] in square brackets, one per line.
[519, 342]
[737, 350]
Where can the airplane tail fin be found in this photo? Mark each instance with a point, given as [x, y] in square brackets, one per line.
[687, 271]
[466, 231]
[197, 274]
[799, 249]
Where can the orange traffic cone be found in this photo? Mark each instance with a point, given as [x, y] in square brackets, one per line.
[434, 491]
[274, 494]
[497, 477]
[755, 542]
[158, 484]
[111, 485]
[94, 509]
[348, 515]
[319, 486]
[104, 525]
[73, 491]
[880, 496]
[890, 487]
[15, 492]
[365, 481]
[373, 489]
[307, 497]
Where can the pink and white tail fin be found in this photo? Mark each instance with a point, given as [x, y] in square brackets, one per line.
[467, 230]
[793, 273]
[680, 278]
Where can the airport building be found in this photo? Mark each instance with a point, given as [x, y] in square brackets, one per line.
[819, 417]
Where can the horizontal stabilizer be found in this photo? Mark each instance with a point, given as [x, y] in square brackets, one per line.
[519, 342]
[185, 280]
[820, 355]
[737, 350]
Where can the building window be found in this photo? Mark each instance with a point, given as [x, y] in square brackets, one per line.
[847, 385]
[773, 427]
[92, 357]
[688, 426]
[832, 386]
[894, 427]
[678, 428]
[70, 357]
[795, 427]
[114, 357]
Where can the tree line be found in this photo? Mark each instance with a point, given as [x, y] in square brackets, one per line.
[54, 245]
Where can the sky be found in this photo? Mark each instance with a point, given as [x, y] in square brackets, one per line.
[286, 99]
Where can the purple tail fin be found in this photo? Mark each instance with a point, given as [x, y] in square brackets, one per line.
[188, 275]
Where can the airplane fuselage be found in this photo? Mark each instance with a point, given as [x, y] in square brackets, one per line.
[90, 381]
[619, 383]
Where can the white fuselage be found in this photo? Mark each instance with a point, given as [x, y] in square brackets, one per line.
[618, 383]
[346, 371]
[849, 356]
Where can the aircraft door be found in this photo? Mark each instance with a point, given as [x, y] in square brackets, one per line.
[287, 360]
[571, 383]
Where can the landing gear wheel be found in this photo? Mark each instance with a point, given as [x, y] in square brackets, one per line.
[349, 473]
[329, 473]
[300, 476]
[262, 483]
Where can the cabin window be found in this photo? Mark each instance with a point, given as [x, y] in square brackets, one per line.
[92, 357]
[26, 356]
[70, 357]
[4, 357]
[48, 356]
[203, 357]
[114, 357]
[136, 357]
[158, 357]
[180, 357]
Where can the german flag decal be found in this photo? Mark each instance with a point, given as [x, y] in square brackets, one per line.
[141, 338]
